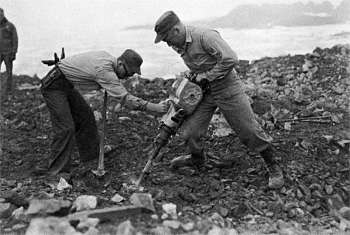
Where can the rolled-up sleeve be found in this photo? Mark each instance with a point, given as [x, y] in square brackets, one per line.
[110, 82]
[214, 45]
[113, 86]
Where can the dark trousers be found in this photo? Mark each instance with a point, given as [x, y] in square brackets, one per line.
[71, 117]
[7, 58]
[228, 95]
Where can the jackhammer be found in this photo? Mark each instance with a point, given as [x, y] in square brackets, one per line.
[184, 97]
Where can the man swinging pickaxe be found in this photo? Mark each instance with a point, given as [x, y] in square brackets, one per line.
[72, 119]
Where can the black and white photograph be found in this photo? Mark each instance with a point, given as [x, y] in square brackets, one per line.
[213, 117]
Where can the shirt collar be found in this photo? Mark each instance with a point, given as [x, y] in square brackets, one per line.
[114, 64]
[188, 37]
[188, 41]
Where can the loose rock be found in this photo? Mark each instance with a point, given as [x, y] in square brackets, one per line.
[143, 199]
[85, 202]
[126, 228]
[49, 206]
[6, 210]
[345, 212]
[117, 198]
[170, 209]
[174, 224]
[222, 231]
[50, 225]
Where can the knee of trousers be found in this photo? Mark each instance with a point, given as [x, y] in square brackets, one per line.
[68, 131]
[254, 139]
[189, 134]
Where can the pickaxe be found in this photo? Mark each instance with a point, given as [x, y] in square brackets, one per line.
[101, 168]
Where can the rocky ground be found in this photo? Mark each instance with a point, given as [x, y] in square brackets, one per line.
[301, 100]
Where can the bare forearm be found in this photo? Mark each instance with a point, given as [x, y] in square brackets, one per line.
[133, 102]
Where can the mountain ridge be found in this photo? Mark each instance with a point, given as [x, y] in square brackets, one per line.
[269, 15]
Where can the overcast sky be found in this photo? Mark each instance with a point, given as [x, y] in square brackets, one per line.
[121, 13]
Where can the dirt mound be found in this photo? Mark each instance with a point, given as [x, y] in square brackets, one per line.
[301, 100]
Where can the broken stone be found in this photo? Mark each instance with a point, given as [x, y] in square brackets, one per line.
[92, 231]
[143, 200]
[269, 214]
[174, 224]
[124, 118]
[155, 216]
[48, 206]
[18, 213]
[170, 209]
[335, 202]
[217, 219]
[14, 198]
[6, 209]
[315, 186]
[345, 212]
[299, 194]
[50, 225]
[126, 228]
[85, 202]
[306, 144]
[328, 189]
[288, 126]
[10, 183]
[160, 230]
[223, 211]
[291, 231]
[27, 86]
[222, 231]
[117, 198]
[164, 216]
[188, 226]
[86, 223]
[63, 184]
[18, 226]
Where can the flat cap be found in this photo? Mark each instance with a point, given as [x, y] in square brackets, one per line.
[132, 61]
[164, 24]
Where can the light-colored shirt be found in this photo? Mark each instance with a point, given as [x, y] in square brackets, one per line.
[206, 52]
[95, 70]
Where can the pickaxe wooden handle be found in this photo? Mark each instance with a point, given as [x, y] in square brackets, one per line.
[101, 168]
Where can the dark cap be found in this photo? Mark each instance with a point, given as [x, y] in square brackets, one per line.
[164, 24]
[132, 61]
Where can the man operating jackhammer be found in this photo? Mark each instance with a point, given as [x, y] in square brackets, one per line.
[212, 61]
[72, 118]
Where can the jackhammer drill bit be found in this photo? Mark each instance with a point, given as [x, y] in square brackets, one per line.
[166, 130]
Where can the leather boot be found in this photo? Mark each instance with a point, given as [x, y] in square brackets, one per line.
[276, 179]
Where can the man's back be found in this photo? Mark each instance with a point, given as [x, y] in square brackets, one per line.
[83, 69]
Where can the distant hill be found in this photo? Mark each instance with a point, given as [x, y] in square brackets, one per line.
[268, 15]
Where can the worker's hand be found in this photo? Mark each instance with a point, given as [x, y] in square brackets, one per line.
[188, 74]
[161, 107]
[200, 77]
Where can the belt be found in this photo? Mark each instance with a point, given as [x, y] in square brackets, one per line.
[51, 76]
[227, 81]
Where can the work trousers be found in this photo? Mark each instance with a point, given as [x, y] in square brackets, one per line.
[72, 121]
[228, 95]
[8, 60]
